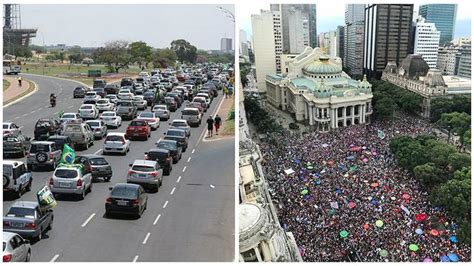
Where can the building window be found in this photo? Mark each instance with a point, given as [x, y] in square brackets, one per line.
[249, 255]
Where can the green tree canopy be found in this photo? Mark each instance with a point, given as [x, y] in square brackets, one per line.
[141, 53]
[184, 50]
[164, 58]
[116, 55]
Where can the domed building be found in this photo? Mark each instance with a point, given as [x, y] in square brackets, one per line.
[318, 92]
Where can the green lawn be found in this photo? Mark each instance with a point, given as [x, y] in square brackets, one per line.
[229, 125]
[6, 84]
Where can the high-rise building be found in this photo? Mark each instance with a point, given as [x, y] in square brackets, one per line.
[387, 36]
[354, 13]
[354, 39]
[455, 58]
[444, 18]
[332, 43]
[426, 41]
[340, 41]
[244, 47]
[226, 45]
[464, 66]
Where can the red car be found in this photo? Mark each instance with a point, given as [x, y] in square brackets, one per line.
[181, 78]
[138, 128]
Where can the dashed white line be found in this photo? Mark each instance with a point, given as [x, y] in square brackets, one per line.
[97, 152]
[184, 169]
[41, 108]
[135, 259]
[189, 159]
[88, 220]
[32, 112]
[179, 178]
[146, 238]
[166, 203]
[193, 150]
[157, 218]
[54, 258]
[25, 115]
[172, 191]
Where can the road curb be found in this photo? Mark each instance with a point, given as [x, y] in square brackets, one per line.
[24, 96]
[82, 83]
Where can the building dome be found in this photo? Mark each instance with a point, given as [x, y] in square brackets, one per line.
[323, 66]
[414, 66]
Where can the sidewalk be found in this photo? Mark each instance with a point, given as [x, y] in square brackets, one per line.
[14, 91]
[223, 112]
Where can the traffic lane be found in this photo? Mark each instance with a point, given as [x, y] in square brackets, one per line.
[198, 224]
[94, 202]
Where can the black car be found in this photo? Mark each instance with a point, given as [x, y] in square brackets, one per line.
[163, 157]
[97, 165]
[99, 83]
[45, 127]
[179, 135]
[126, 198]
[126, 82]
[176, 97]
[171, 145]
[60, 141]
[17, 144]
[101, 91]
[79, 92]
[111, 89]
[149, 97]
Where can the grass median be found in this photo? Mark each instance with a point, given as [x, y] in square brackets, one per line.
[229, 124]
[30, 89]
[6, 84]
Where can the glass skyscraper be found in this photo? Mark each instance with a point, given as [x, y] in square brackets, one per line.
[444, 18]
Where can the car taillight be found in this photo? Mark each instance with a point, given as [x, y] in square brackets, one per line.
[89, 168]
[7, 257]
[130, 172]
[51, 156]
[153, 173]
[135, 202]
[30, 225]
[109, 200]
[146, 157]
[6, 223]
[79, 183]
[123, 142]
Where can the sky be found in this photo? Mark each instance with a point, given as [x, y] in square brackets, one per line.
[330, 14]
[158, 25]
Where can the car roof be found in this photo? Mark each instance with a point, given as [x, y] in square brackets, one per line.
[42, 142]
[86, 104]
[25, 204]
[58, 137]
[109, 112]
[180, 120]
[159, 150]
[91, 156]
[144, 162]
[95, 120]
[167, 140]
[175, 129]
[191, 108]
[128, 185]
[12, 162]
[8, 235]
[120, 134]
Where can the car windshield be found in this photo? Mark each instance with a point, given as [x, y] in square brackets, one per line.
[124, 104]
[138, 123]
[39, 148]
[102, 101]
[66, 173]
[108, 114]
[169, 100]
[124, 192]
[160, 107]
[69, 116]
[179, 124]
[43, 124]
[78, 89]
[86, 107]
[175, 133]
[155, 154]
[93, 124]
[190, 112]
[90, 94]
[21, 212]
[114, 138]
[166, 145]
[146, 115]
[5, 126]
[148, 94]
[9, 139]
[98, 161]
[143, 168]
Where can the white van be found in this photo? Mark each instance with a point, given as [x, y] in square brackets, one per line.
[192, 116]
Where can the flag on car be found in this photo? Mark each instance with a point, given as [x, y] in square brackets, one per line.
[60, 114]
[68, 155]
[45, 198]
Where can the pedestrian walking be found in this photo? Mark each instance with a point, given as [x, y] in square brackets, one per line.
[225, 92]
[217, 123]
[19, 81]
[210, 124]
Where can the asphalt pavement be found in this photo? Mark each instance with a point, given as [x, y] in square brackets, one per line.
[191, 218]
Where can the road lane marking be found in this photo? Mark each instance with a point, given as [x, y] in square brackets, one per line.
[98, 151]
[179, 178]
[184, 169]
[166, 203]
[172, 191]
[32, 112]
[189, 159]
[157, 218]
[54, 258]
[24, 115]
[88, 220]
[16, 118]
[135, 259]
[20, 127]
[41, 108]
[193, 150]
[146, 238]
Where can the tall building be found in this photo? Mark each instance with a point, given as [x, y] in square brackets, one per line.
[244, 47]
[426, 41]
[354, 39]
[464, 66]
[267, 45]
[332, 43]
[226, 45]
[454, 59]
[387, 36]
[340, 41]
[444, 18]
[354, 13]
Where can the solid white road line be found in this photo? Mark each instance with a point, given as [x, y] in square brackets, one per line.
[172, 191]
[179, 179]
[98, 151]
[184, 169]
[88, 220]
[166, 203]
[157, 218]
[41, 108]
[146, 238]
[135, 259]
[54, 258]
[189, 159]
[193, 150]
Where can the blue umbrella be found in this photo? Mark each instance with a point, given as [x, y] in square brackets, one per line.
[444, 259]
[419, 231]
[453, 257]
[374, 202]
[453, 239]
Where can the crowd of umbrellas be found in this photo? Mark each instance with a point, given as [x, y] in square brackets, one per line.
[343, 196]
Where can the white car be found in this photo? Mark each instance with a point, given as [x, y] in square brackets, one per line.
[68, 117]
[151, 118]
[140, 102]
[111, 119]
[205, 96]
[91, 96]
[9, 127]
[15, 248]
[112, 98]
[104, 105]
[144, 74]
[125, 94]
[116, 142]
[88, 111]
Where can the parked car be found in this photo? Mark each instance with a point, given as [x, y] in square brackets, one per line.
[126, 82]
[27, 219]
[96, 165]
[10, 127]
[111, 119]
[140, 102]
[98, 127]
[111, 89]
[104, 105]
[60, 141]
[17, 144]
[148, 174]
[138, 128]
[80, 92]
[100, 91]
[45, 127]
[163, 157]
[99, 83]
[80, 134]
[161, 110]
[43, 153]
[181, 124]
[71, 179]
[179, 135]
[172, 145]
[126, 199]
[15, 248]
[67, 117]
[16, 178]
[192, 116]
[116, 142]
[126, 109]
[151, 118]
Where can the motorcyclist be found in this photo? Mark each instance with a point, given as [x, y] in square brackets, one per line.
[52, 99]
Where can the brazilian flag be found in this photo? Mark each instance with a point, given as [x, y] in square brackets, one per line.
[68, 155]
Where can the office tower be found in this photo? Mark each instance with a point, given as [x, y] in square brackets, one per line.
[340, 41]
[354, 39]
[455, 58]
[426, 41]
[354, 13]
[444, 18]
[226, 45]
[387, 36]
[244, 47]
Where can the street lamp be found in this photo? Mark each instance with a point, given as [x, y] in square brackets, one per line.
[227, 12]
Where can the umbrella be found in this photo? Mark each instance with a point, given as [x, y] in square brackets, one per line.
[304, 192]
[374, 202]
[343, 233]
[374, 185]
[383, 253]
[421, 217]
[351, 205]
[453, 257]
[374, 153]
[318, 182]
[346, 175]
[434, 232]
[419, 231]
[330, 162]
[445, 259]
[393, 198]
[406, 196]
[366, 226]
[413, 247]
[353, 168]
[453, 239]
[365, 160]
[427, 260]
[355, 148]
[379, 223]
[310, 167]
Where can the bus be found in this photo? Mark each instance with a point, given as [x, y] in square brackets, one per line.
[10, 67]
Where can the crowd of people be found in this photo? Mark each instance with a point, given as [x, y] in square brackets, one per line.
[344, 198]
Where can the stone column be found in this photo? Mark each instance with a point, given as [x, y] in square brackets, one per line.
[306, 110]
[344, 111]
[363, 112]
[361, 107]
[334, 117]
[352, 114]
[311, 116]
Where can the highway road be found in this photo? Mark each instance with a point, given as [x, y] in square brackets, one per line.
[191, 218]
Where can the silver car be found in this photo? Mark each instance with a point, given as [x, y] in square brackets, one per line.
[162, 111]
[181, 124]
[15, 248]
[146, 173]
[99, 128]
[27, 219]
[70, 180]
[140, 102]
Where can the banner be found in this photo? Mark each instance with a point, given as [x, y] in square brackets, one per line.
[289, 171]
[45, 198]
[68, 155]
[405, 209]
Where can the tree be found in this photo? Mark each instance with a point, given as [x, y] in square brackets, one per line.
[455, 122]
[429, 175]
[141, 53]
[88, 61]
[384, 107]
[116, 55]
[75, 54]
[455, 196]
[464, 173]
[38, 49]
[458, 161]
[163, 58]
[184, 50]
